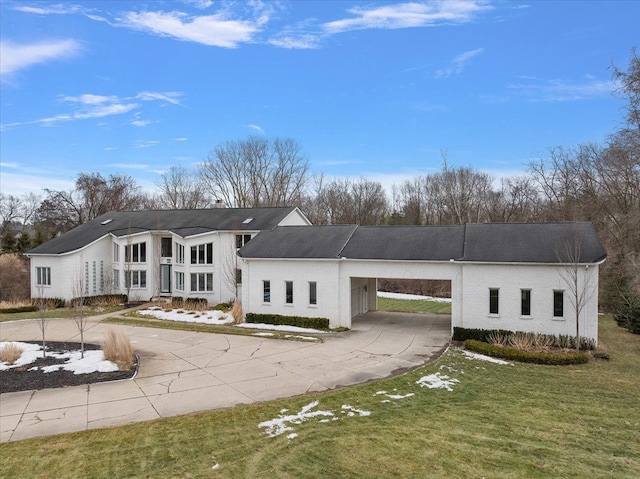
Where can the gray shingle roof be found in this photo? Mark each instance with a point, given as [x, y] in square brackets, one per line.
[314, 242]
[182, 222]
[491, 242]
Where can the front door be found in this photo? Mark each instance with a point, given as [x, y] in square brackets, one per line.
[165, 278]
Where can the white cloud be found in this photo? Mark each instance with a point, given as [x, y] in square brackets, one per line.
[140, 123]
[9, 165]
[181, 139]
[458, 63]
[49, 9]
[145, 143]
[202, 4]
[129, 166]
[255, 128]
[14, 57]
[19, 183]
[408, 15]
[89, 99]
[213, 30]
[169, 96]
[109, 148]
[541, 90]
[300, 42]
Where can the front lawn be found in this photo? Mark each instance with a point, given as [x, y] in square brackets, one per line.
[60, 313]
[411, 306]
[498, 421]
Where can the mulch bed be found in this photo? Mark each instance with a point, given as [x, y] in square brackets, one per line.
[20, 379]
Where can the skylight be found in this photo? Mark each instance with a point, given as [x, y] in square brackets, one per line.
[106, 222]
[247, 221]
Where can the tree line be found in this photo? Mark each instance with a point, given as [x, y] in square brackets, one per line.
[599, 183]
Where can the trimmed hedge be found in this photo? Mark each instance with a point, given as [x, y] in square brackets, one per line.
[50, 303]
[462, 334]
[278, 319]
[19, 309]
[101, 299]
[552, 359]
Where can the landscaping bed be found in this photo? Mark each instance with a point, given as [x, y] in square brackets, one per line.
[24, 378]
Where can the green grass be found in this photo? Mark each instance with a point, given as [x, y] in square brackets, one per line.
[60, 313]
[520, 421]
[415, 305]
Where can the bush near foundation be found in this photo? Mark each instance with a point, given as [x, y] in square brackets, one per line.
[19, 309]
[488, 335]
[536, 357]
[101, 300]
[189, 303]
[278, 319]
[49, 303]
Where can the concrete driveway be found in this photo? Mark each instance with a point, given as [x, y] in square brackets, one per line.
[183, 372]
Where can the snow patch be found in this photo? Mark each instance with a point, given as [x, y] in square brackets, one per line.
[352, 411]
[437, 381]
[277, 426]
[393, 396]
[482, 357]
[412, 297]
[279, 327]
[186, 316]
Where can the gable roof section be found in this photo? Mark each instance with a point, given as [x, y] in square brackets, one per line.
[181, 222]
[300, 242]
[484, 243]
[533, 243]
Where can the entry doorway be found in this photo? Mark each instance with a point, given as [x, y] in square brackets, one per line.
[165, 279]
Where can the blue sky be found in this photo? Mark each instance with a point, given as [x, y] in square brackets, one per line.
[372, 89]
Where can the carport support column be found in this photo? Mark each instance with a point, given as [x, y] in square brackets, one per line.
[457, 298]
[372, 294]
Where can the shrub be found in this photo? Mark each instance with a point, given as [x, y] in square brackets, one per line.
[537, 340]
[538, 357]
[224, 307]
[522, 341]
[19, 309]
[101, 300]
[236, 312]
[462, 334]
[300, 321]
[10, 353]
[117, 348]
[189, 303]
[48, 303]
[496, 337]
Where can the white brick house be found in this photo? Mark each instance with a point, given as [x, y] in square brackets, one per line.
[503, 276]
[187, 253]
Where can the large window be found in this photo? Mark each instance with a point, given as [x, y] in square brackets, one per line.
[165, 248]
[135, 279]
[266, 291]
[179, 253]
[242, 240]
[313, 293]
[201, 282]
[288, 286]
[43, 276]
[116, 252]
[525, 302]
[136, 252]
[202, 254]
[179, 281]
[494, 301]
[558, 303]
[116, 279]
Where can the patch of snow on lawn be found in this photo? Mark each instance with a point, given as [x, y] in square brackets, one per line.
[205, 317]
[412, 297]
[279, 327]
[302, 338]
[277, 426]
[352, 411]
[263, 334]
[93, 360]
[482, 357]
[437, 381]
[393, 396]
[293, 435]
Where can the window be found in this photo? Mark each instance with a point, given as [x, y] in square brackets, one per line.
[266, 291]
[94, 277]
[135, 279]
[179, 281]
[116, 279]
[242, 240]
[179, 253]
[238, 276]
[86, 277]
[525, 302]
[313, 292]
[493, 301]
[135, 253]
[101, 276]
[558, 303]
[202, 254]
[165, 248]
[288, 286]
[43, 276]
[201, 282]
[116, 252]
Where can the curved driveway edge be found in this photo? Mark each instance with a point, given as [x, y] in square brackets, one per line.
[183, 372]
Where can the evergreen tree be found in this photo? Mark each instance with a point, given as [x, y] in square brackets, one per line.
[9, 240]
[24, 242]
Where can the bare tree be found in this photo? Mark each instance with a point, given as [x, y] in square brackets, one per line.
[255, 172]
[79, 298]
[42, 304]
[577, 279]
[180, 188]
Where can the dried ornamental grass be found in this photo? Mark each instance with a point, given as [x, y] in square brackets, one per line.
[10, 353]
[117, 348]
[522, 341]
[236, 312]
